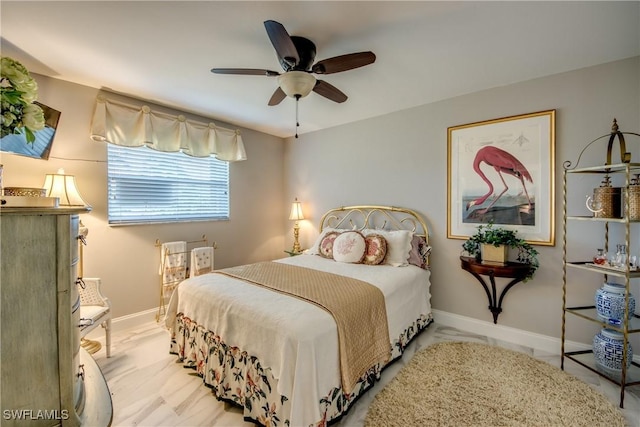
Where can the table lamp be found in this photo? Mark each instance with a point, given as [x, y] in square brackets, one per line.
[296, 215]
[64, 188]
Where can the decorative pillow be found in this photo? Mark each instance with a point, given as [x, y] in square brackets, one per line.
[376, 249]
[326, 245]
[419, 252]
[315, 248]
[398, 245]
[349, 247]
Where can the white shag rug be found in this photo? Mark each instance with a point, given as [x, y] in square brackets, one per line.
[469, 384]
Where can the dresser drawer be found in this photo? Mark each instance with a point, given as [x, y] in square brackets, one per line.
[75, 220]
[74, 283]
[78, 379]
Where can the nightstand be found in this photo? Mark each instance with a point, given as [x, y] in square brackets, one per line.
[293, 253]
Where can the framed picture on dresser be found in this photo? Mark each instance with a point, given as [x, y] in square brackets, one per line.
[40, 148]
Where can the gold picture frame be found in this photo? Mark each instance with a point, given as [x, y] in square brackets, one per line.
[503, 171]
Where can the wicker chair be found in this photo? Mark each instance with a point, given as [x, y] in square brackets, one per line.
[95, 309]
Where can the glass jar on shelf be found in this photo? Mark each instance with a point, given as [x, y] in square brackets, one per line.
[600, 258]
[620, 259]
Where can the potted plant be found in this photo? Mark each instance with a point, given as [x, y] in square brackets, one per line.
[496, 237]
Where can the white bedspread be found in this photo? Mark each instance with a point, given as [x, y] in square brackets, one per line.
[296, 339]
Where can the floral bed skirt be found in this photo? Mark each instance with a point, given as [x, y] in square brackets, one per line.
[238, 377]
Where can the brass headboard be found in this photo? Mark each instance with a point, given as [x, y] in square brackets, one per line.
[376, 217]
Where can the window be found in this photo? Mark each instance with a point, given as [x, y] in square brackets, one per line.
[149, 186]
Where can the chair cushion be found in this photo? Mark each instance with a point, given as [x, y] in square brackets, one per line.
[93, 311]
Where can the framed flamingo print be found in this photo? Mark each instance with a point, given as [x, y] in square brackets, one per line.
[502, 171]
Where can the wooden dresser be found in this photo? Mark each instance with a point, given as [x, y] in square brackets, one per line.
[43, 374]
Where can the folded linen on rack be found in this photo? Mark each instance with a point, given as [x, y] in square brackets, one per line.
[201, 261]
[173, 263]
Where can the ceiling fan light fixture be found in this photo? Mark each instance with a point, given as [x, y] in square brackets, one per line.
[296, 83]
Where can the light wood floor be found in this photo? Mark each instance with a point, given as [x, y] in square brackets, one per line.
[149, 388]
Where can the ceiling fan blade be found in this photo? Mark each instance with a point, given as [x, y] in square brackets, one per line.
[282, 42]
[329, 91]
[344, 62]
[277, 97]
[245, 71]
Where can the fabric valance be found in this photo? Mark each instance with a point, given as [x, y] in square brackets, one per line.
[133, 126]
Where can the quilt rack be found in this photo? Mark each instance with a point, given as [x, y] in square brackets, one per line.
[175, 266]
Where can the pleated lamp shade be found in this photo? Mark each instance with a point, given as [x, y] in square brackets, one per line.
[296, 211]
[64, 188]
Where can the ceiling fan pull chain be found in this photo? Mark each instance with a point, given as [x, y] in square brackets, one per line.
[297, 122]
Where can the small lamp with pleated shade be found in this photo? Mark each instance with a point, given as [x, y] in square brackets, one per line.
[64, 188]
[296, 215]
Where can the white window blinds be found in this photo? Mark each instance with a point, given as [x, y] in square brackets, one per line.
[149, 186]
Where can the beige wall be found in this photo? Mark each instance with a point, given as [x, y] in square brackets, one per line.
[401, 159]
[125, 257]
[396, 159]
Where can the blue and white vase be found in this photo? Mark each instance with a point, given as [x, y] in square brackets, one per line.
[607, 350]
[610, 303]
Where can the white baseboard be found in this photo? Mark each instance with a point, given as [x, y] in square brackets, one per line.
[518, 336]
[134, 320]
[506, 333]
[128, 321]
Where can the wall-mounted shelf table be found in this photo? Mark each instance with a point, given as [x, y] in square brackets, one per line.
[511, 270]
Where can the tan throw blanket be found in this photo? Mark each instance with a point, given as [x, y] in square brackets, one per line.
[357, 307]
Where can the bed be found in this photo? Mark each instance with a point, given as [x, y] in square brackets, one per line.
[288, 361]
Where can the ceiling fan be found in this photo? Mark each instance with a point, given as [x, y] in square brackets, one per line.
[296, 56]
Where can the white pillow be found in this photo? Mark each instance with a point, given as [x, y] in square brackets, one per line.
[398, 246]
[349, 247]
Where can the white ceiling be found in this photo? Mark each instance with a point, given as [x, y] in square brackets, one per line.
[426, 51]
